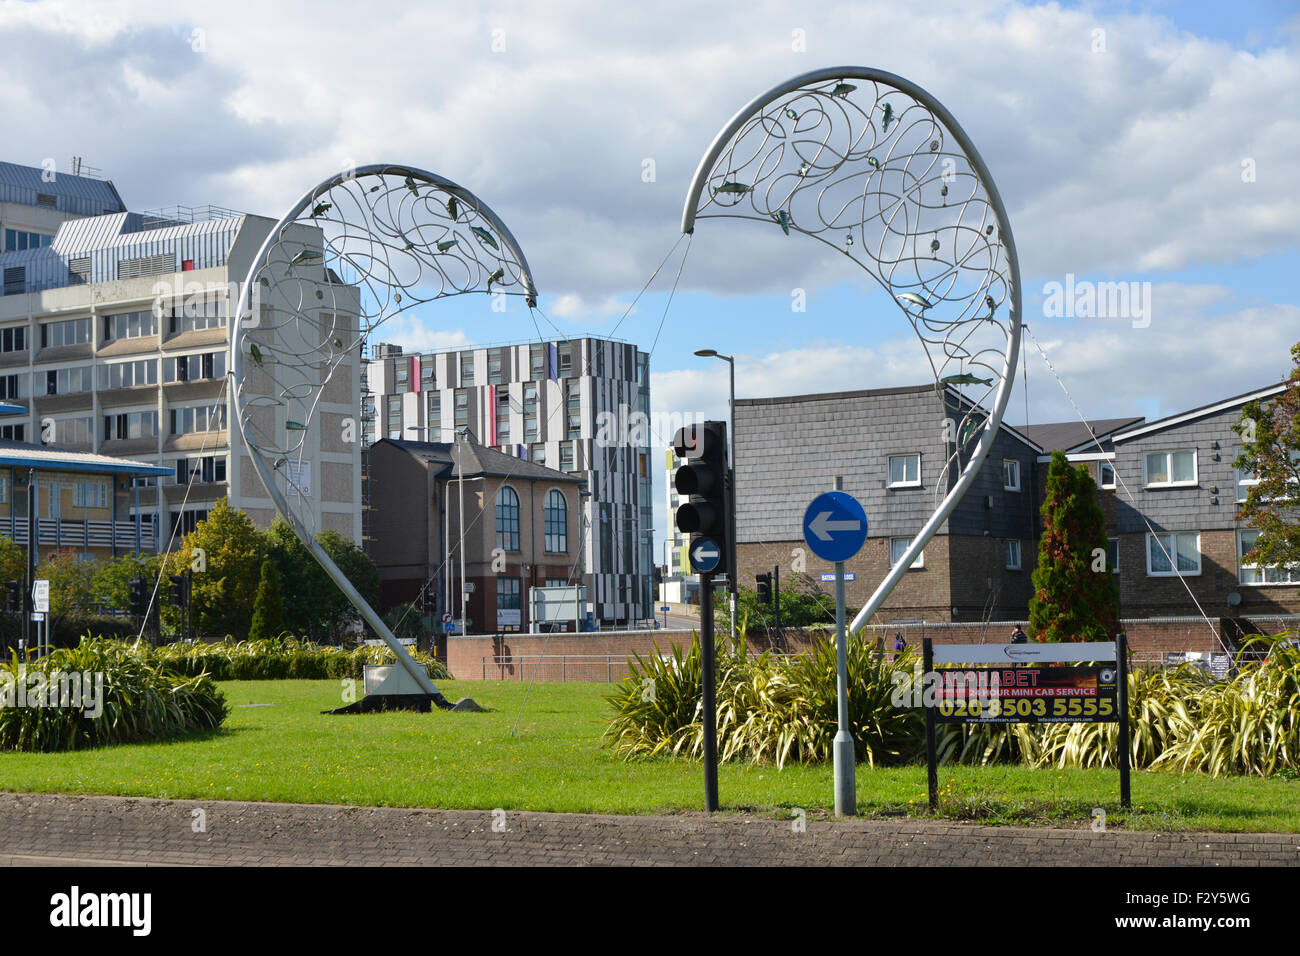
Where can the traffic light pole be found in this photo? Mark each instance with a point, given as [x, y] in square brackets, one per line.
[708, 703]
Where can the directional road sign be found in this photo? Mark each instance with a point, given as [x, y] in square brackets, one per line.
[41, 594]
[835, 526]
[830, 576]
[705, 555]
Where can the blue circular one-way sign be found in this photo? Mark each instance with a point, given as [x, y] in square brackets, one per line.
[835, 526]
[705, 555]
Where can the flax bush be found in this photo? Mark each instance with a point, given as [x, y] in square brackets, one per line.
[283, 659]
[773, 709]
[140, 698]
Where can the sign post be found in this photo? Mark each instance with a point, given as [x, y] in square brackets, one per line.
[835, 528]
[41, 606]
[705, 555]
[1021, 686]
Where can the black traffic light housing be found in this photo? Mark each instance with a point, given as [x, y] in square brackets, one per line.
[764, 587]
[702, 480]
[139, 597]
[14, 597]
[178, 589]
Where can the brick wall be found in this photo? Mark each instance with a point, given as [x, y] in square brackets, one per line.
[603, 656]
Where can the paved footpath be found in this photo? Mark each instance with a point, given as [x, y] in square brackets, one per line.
[52, 829]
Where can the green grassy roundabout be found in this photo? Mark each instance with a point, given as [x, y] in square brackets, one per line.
[277, 746]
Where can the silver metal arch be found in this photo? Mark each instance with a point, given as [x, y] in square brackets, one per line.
[1003, 394]
[236, 365]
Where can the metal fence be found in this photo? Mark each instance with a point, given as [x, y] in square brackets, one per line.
[556, 667]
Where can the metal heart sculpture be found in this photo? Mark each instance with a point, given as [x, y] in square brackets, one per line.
[876, 168]
[356, 250]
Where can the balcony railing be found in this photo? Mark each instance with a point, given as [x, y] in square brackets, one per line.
[58, 533]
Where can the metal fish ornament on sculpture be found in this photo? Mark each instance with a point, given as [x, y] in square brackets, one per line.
[874, 167]
[360, 248]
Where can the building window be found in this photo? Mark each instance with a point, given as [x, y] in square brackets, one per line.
[130, 325]
[13, 339]
[466, 368]
[503, 417]
[207, 470]
[90, 494]
[434, 418]
[69, 332]
[1169, 468]
[1250, 573]
[129, 374]
[1012, 555]
[530, 412]
[401, 375]
[1106, 474]
[185, 522]
[13, 432]
[507, 519]
[573, 410]
[427, 380]
[197, 314]
[905, 471]
[1245, 481]
[537, 361]
[1166, 549]
[11, 386]
[496, 366]
[69, 431]
[394, 428]
[567, 456]
[202, 418]
[565, 353]
[462, 408]
[1010, 478]
[508, 599]
[131, 425]
[68, 381]
[192, 368]
[537, 453]
[16, 240]
[897, 548]
[556, 514]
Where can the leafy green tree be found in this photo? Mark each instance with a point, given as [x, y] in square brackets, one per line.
[110, 579]
[13, 561]
[268, 615]
[407, 621]
[1270, 433]
[802, 603]
[71, 592]
[227, 576]
[1075, 596]
[319, 609]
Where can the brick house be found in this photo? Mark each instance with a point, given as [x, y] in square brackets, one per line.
[788, 450]
[530, 512]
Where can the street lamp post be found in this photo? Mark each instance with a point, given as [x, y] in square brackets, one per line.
[731, 472]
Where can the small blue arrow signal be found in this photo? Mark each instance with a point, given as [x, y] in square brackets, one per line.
[835, 526]
[705, 555]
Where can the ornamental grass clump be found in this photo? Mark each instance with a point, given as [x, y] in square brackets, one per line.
[283, 658]
[101, 692]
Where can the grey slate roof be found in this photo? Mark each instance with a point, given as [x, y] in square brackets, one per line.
[1072, 436]
[479, 460]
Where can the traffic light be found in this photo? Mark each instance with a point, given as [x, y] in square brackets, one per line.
[139, 597]
[178, 589]
[13, 597]
[764, 587]
[702, 480]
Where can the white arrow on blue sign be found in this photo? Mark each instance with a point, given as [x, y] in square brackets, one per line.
[835, 526]
[705, 555]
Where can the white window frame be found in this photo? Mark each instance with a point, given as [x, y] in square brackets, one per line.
[1292, 572]
[1015, 485]
[889, 468]
[1101, 480]
[920, 558]
[1173, 553]
[1012, 544]
[1169, 469]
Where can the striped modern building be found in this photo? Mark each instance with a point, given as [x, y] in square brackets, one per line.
[114, 339]
[581, 406]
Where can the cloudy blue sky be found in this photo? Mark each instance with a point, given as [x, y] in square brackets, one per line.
[1124, 163]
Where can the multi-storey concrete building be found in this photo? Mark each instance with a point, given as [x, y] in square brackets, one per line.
[114, 335]
[581, 406]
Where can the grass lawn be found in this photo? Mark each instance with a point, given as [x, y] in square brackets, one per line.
[277, 746]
